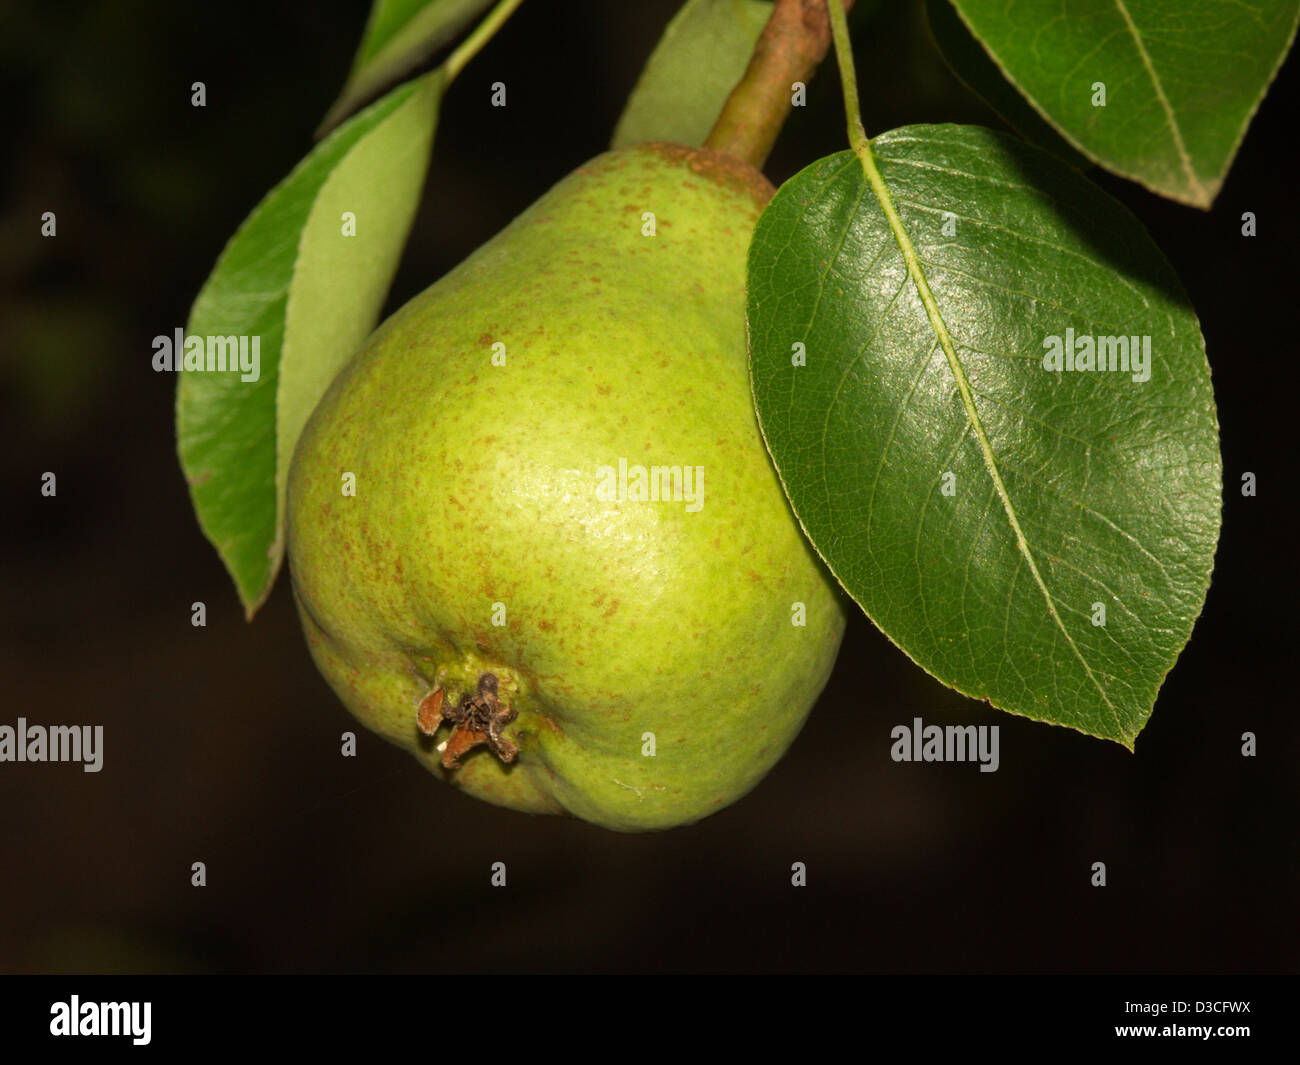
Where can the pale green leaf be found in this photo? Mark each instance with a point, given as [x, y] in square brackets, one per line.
[690, 74]
[309, 295]
[399, 36]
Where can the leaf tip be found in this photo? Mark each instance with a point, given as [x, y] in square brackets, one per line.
[253, 599]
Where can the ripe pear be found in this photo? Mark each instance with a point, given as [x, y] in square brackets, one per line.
[534, 533]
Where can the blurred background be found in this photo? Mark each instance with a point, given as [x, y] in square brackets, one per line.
[222, 743]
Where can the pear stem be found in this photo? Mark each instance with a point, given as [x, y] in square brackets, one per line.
[791, 47]
[483, 33]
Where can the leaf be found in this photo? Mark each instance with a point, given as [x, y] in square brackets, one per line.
[925, 358]
[309, 295]
[974, 68]
[690, 74]
[1182, 80]
[399, 36]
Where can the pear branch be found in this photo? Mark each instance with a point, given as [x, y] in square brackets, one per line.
[793, 44]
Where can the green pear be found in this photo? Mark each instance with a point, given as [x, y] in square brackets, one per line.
[534, 533]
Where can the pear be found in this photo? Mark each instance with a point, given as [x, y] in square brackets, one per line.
[534, 533]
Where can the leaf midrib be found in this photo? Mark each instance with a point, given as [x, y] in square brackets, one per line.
[917, 273]
[1193, 181]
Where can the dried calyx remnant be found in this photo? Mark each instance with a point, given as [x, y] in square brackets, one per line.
[478, 718]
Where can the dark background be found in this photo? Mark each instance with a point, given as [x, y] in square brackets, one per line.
[222, 743]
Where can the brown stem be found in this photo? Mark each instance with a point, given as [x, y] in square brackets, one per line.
[792, 45]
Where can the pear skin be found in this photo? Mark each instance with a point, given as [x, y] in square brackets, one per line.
[558, 480]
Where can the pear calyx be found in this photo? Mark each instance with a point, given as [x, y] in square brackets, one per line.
[476, 720]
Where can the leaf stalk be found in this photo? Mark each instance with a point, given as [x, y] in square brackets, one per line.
[483, 32]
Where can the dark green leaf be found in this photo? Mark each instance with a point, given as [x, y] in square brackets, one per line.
[400, 35]
[309, 294]
[975, 503]
[1182, 80]
[692, 71]
[977, 71]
